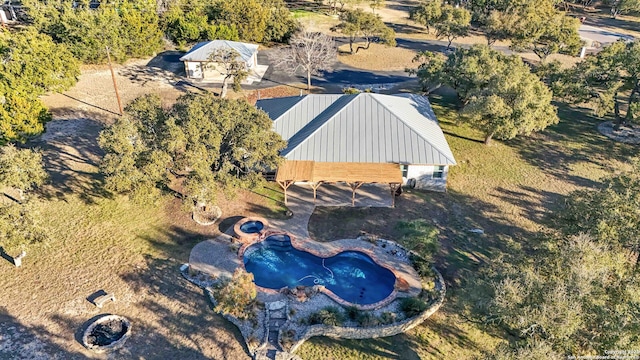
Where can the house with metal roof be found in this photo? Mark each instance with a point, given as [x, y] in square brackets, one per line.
[198, 66]
[361, 138]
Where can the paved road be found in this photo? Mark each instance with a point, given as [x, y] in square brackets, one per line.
[333, 80]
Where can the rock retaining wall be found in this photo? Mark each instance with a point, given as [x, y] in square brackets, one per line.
[376, 331]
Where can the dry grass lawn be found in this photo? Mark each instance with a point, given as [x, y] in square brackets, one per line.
[98, 241]
[377, 58]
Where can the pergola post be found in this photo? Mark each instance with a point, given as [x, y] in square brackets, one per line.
[285, 185]
[354, 186]
[315, 187]
[394, 187]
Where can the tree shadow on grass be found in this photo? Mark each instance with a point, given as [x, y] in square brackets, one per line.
[394, 347]
[189, 329]
[535, 203]
[71, 157]
[453, 213]
[559, 148]
[22, 341]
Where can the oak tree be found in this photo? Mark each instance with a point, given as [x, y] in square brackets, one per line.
[21, 169]
[453, 23]
[427, 13]
[229, 64]
[19, 226]
[574, 295]
[610, 81]
[31, 65]
[208, 144]
[370, 27]
[544, 30]
[498, 93]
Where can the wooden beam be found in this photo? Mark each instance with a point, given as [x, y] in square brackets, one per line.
[315, 187]
[394, 187]
[354, 186]
[285, 185]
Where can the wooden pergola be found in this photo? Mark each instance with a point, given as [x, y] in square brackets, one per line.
[354, 174]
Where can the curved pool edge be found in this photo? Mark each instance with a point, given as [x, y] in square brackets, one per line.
[299, 245]
[345, 332]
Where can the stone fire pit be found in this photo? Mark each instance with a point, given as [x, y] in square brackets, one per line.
[107, 333]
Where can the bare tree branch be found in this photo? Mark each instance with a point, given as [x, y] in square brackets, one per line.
[308, 51]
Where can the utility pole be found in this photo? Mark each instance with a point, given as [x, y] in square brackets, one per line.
[113, 77]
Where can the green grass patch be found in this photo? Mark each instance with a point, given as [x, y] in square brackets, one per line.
[300, 13]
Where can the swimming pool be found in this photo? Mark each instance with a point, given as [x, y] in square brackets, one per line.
[350, 275]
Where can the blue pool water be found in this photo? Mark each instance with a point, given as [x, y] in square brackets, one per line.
[252, 227]
[351, 275]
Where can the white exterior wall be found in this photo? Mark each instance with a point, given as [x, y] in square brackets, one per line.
[423, 174]
[193, 69]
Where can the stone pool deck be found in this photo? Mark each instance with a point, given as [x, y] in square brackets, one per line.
[218, 257]
[207, 256]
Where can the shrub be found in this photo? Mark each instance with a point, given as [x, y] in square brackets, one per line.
[237, 295]
[330, 315]
[353, 313]
[367, 319]
[412, 306]
[388, 317]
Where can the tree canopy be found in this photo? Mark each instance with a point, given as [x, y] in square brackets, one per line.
[21, 169]
[610, 214]
[19, 226]
[427, 13]
[572, 295]
[32, 65]
[263, 21]
[544, 30]
[624, 7]
[499, 94]
[610, 81]
[368, 26]
[130, 27]
[453, 23]
[256, 20]
[186, 26]
[210, 144]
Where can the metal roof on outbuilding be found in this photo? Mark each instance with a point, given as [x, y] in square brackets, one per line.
[362, 128]
[202, 50]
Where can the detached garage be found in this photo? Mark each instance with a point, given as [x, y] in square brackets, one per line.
[198, 67]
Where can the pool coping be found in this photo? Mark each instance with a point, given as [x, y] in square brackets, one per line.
[248, 237]
[299, 245]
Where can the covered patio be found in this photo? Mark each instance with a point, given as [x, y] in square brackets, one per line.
[353, 174]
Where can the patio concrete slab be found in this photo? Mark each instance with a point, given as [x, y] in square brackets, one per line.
[215, 256]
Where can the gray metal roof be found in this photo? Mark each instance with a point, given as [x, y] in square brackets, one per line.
[291, 114]
[360, 128]
[202, 50]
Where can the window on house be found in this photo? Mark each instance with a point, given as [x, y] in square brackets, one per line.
[438, 172]
[405, 170]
